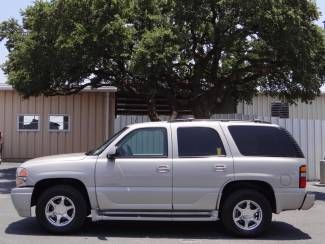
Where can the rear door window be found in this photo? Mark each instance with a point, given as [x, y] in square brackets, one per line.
[199, 142]
[265, 141]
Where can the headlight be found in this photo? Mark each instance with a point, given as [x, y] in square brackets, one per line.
[21, 176]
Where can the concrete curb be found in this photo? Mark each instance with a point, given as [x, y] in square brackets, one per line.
[319, 184]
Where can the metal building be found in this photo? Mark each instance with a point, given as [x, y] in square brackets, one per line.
[262, 106]
[40, 126]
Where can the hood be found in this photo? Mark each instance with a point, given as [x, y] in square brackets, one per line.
[56, 158]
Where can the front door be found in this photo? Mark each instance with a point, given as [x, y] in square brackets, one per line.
[202, 164]
[140, 176]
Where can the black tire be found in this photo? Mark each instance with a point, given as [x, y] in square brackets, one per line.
[79, 203]
[235, 198]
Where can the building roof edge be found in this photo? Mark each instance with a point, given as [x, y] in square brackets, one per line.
[6, 87]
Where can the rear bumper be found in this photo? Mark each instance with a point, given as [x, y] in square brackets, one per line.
[293, 199]
[308, 201]
[22, 198]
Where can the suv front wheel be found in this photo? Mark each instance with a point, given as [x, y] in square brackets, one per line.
[61, 209]
[246, 213]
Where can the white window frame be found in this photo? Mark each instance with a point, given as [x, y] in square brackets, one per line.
[58, 131]
[29, 130]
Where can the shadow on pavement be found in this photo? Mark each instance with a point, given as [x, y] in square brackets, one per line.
[7, 180]
[178, 230]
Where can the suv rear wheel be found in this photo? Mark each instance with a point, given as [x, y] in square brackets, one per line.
[61, 209]
[246, 213]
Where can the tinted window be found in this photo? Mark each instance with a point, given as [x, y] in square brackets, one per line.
[147, 142]
[199, 141]
[265, 141]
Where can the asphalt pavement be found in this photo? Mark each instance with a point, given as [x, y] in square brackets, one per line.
[287, 227]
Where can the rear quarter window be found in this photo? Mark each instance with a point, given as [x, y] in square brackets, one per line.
[265, 141]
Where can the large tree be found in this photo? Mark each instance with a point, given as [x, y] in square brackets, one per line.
[201, 52]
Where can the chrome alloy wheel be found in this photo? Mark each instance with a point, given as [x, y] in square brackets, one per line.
[60, 211]
[247, 215]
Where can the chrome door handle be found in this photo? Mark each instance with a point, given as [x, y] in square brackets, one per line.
[220, 168]
[163, 168]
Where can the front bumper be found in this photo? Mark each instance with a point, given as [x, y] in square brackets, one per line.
[308, 201]
[22, 198]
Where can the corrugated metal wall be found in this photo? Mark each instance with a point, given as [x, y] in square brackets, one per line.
[309, 134]
[87, 111]
[123, 120]
[261, 106]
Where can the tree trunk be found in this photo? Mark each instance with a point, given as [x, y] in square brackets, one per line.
[201, 110]
[152, 110]
[174, 114]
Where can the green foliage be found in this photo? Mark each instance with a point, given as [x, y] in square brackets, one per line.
[199, 51]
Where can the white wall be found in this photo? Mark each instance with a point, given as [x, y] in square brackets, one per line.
[261, 106]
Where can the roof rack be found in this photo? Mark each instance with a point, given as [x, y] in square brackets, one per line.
[261, 121]
[220, 120]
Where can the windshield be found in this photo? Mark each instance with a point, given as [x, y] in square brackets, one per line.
[100, 149]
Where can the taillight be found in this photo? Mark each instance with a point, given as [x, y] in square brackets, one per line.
[303, 176]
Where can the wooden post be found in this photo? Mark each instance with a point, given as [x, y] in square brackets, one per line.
[111, 122]
[110, 114]
[1, 147]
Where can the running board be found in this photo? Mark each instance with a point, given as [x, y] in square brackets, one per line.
[154, 216]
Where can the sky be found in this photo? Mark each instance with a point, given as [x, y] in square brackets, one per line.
[12, 8]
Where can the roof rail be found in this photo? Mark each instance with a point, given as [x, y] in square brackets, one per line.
[182, 120]
[220, 120]
[261, 121]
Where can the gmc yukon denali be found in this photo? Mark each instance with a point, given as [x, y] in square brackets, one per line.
[184, 170]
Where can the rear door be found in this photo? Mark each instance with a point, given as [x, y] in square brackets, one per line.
[202, 164]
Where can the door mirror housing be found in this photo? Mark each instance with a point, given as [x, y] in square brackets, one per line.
[112, 153]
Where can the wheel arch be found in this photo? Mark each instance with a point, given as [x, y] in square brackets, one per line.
[261, 186]
[44, 184]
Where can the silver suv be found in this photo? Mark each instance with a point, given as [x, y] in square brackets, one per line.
[235, 171]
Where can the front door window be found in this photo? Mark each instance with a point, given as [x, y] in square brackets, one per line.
[147, 142]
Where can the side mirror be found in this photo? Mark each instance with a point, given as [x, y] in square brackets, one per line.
[111, 154]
